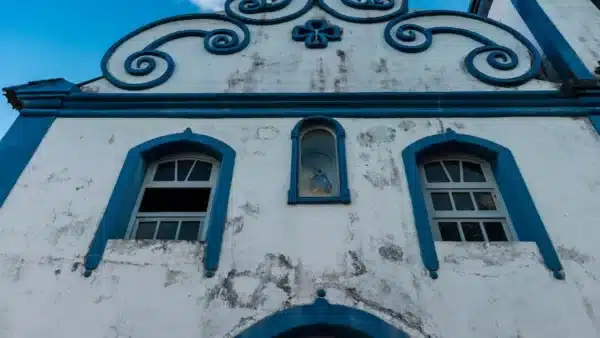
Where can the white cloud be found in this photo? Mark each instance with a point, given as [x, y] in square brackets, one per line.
[209, 5]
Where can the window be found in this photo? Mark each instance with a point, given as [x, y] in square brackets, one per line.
[463, 200]
[173, 187]
[175, 199]
[318, 172]
[464, 188]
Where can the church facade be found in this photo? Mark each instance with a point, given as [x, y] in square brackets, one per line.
[313, 168]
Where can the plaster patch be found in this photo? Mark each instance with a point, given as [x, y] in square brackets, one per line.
[376, 136]
[266, 133]
[391, 252]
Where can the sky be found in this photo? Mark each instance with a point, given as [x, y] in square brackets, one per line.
[45, 39]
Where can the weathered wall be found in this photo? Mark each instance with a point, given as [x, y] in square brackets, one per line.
[579, 23]
[365, 254]
[361, 62]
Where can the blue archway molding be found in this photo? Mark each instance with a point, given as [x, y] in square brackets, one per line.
[322, 313]
[340, 137]
[115, 220]
[519, 204]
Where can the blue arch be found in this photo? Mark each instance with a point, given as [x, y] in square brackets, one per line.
[115, 220]
[519, 204]
[322, 313]
[340, 137]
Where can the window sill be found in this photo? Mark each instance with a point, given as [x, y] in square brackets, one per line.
[343, 199]
[153, 252]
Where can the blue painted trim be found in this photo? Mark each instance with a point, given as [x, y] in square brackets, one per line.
[498, 57]
[555, 46]
[595, 120]
[115, 220]
[17, 148]
[317, 33]
[340, 137]
[143, 63]
[363, 20]
[322, 313]
[356, 105]
[520, 206]
[265, 9]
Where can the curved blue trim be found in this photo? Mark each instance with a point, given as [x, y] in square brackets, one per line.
[321, 312]
[217, 41]
[375, 19]
[519, 204]
[117, 214]
[266, 9]
[340, 137]
[595, 120]
[555, 46]
[499, 57]
[17, 148]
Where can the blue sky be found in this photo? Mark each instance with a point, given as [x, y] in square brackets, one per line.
[67, 38]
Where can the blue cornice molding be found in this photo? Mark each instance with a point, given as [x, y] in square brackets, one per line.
[45, 94]
[343, 196]
[343, 320]
[555, 46]
[17, 148]
[498, 57]
[116, 217]
[519, 203]
[355, 105]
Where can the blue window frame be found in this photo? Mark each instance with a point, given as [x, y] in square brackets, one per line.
[319, 173]
[518, 202]
[116, 219]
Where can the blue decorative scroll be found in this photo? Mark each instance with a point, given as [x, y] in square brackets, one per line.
[262, 6]
[250, 7]
[499, 57]
[380, 5]
[317, 33]
[143, 62]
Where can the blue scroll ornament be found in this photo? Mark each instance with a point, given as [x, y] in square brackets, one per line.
[143, 62]
[499, 57]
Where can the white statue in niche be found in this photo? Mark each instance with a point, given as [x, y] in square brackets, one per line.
[318, 164]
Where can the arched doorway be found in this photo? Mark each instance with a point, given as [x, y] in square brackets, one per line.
[322, 320]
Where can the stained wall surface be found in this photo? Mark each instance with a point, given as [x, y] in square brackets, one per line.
[365, 254]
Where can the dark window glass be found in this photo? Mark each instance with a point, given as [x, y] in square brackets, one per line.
[189, 230]
[449, 231]
[453, 168]
[167, 230]
[165, 172]
[435, 173]
[145, 230]
[441, 201]
[462, 201]
[472, 232]
[183, 169]
[201, 171]
[484, 201]
[472, 172]
[495, 231]
[175, 200]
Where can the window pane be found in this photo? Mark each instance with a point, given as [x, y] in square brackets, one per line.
[189, 230]
[462, 201]
[453, 168]
[318, 174]
[472, 172]
[495, 231]
[484, 201]
[145, 230]
[201, 171]
[449, 231]
[175, 200]
[183, 168]
[441, 201]
[435, 173]
[472, 231]
[165, 171]
[167, 230]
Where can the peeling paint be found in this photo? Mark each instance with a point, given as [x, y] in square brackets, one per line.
[391, 252]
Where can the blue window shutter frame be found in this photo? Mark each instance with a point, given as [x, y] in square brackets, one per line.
[519, 203]
[17, 148]
[118, 212]
[340, 137]
[321, 312]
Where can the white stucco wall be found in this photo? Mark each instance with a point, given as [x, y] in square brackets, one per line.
[365, 254]
[505, 12]
[361, 62]
[579, 23]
